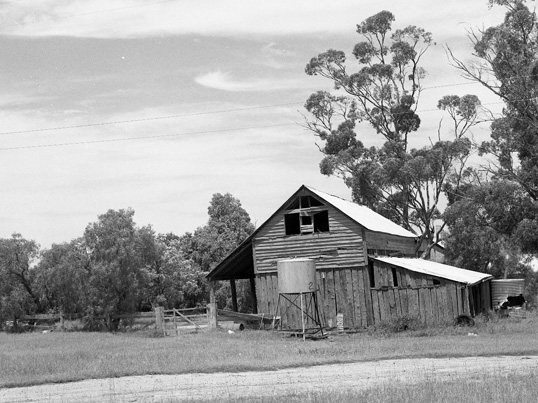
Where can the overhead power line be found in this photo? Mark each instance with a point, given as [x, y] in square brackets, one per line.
[116, 122]
[152, 118]
[143, 137]
[172, 117]
[163, 135]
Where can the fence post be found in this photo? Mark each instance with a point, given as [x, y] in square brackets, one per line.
[159, 319]
[212, 307]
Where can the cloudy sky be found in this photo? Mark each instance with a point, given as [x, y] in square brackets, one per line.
[157, 105]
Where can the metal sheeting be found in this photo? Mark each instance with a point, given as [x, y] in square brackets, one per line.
[364, 216]
[436, 269]
[502, 289]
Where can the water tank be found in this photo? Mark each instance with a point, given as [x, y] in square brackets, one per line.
[296, 276]
[502, 289]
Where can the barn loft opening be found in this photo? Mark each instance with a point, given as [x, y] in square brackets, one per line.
[307, 216]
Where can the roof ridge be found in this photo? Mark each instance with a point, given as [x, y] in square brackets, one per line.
[329, 194]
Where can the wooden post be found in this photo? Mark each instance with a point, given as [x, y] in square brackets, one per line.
[234, 295]
[466, 308]
[302, 317]
[175, 324]
[212, 307]
[159, 319]
[254, 297]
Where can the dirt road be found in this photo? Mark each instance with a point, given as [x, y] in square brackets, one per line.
[157, 388]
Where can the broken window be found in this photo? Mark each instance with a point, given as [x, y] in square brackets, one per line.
[321, 221]
[306, 224]
[307, 217]
[292, 224]
[436, 282]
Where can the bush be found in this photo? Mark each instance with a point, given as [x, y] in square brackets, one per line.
[400, 324]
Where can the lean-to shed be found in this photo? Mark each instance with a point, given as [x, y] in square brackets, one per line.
[346, 241]
[436, 292]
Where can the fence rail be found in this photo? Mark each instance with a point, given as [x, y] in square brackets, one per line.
[59, 316]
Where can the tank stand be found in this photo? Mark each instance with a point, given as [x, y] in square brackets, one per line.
[307, 305]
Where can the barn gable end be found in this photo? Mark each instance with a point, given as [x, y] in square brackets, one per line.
[338, 244]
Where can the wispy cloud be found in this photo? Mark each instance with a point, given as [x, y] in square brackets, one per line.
[226, 82]
[128, 18]
[22, 101]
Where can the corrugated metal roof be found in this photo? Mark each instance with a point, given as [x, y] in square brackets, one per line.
[364, 216]
[436, 269]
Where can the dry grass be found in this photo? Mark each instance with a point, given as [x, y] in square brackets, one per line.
[36, 358]
[479, 389]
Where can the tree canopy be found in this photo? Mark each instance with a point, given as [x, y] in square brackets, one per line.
[118, 267]
[400, 182]
[493, 220]
[504, 62]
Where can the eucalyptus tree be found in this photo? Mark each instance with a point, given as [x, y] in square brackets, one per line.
[505, 61]
[378, 102]
[485, 233]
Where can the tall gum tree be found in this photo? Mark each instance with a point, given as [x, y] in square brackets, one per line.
[505, 61]
[402, 183]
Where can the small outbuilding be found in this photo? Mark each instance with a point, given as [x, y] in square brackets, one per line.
[436, 292]
[367, 269]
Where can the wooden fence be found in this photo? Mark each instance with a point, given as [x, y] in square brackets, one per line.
[432, 304]
[168, 322]
[175, 321]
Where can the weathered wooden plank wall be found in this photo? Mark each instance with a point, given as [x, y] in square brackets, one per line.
[348, 291]
[433, 304]
[342, 246]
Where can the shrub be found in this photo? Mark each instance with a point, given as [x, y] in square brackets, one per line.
[400, 324]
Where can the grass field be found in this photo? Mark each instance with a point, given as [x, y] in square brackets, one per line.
[35, 358]
[479, 389]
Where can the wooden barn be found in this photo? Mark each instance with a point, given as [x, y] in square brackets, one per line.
[366, 266]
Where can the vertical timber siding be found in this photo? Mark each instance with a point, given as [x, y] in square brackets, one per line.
[343, 291]
[348, 291]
